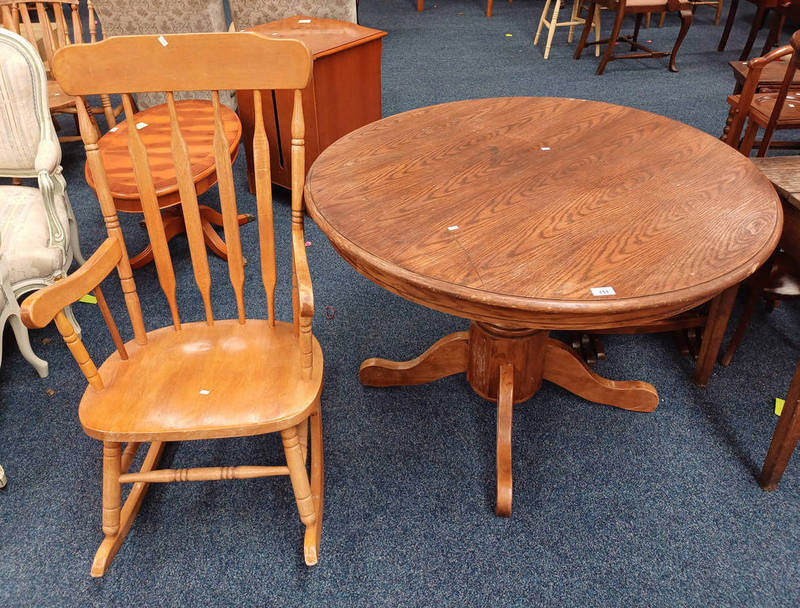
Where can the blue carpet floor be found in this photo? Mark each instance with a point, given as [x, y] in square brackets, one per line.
[611, 508]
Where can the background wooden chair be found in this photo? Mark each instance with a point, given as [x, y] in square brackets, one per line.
[214, 378]
[638, 8]
[38, 233]
[48, 26]
[764, 110]
[249, 13]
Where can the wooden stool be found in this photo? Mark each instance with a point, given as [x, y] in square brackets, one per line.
[574, 20]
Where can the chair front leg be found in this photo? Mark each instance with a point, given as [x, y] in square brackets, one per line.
[728, 25]
[299, 478]
[112, 458]
[612, 40]
[587, 27]
[758, 23]
[686, 21]
[636, 29]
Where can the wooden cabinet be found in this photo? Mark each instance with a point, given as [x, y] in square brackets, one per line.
[343, 95]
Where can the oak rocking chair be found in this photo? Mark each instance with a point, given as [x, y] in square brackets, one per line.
[208, 379]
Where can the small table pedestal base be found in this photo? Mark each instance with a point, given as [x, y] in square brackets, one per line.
[175, 225]
[507, 364]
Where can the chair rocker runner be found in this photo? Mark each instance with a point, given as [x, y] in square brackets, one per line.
[214, 378]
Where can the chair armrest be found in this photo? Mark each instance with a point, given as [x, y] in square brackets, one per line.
[48, 156]
[305, 293]
[42, 306]
[760, 62]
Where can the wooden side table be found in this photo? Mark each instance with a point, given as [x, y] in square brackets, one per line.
[344, 93]
[196, 117]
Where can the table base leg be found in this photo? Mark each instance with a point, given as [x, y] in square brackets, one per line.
[174, 225]
[446, 357]
[507, 365]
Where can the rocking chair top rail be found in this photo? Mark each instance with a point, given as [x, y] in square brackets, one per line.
[186, 62]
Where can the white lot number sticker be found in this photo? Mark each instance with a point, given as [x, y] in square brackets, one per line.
[603, 291]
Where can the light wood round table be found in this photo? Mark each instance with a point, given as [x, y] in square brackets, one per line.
[526, 215]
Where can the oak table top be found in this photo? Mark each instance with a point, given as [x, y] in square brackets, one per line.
[514, 212]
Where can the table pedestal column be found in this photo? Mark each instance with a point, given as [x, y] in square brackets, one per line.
[507, 365]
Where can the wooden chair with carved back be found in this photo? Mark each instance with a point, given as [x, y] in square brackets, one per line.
[49, 26]
[208, 379]
[771, 110]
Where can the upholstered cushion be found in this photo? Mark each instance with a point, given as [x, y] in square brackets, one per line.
[126, 17]
[19, 127]
[247, 13]
[24, 234]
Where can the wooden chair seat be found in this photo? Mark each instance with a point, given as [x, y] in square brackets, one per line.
[57, 99]
[246, 395]
[763, 106]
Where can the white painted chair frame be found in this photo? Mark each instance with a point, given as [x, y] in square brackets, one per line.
[47, 172]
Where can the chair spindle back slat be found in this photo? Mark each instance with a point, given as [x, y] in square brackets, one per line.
[90, 136]
[50, 43]
[62, 29]
[109, 319]
[151, 210]
[77, 27]
[191, 211]
[27, 25]
[266, 223]
[227, 200]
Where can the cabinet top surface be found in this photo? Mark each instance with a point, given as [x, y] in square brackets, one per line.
[323, 36]
[530, 203]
